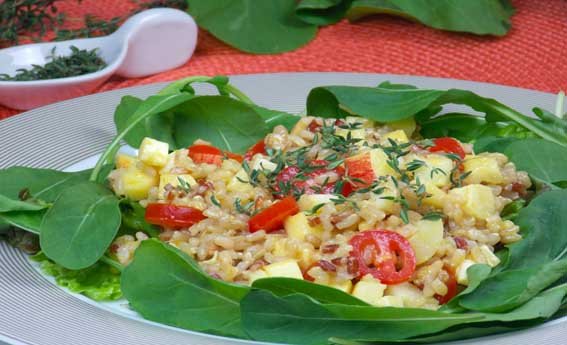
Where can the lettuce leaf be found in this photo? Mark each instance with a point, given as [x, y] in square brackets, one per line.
[99, 281]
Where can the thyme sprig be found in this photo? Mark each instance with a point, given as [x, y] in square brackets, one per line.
[81, 61]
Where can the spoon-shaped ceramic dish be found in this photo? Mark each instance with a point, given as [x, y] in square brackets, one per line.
[150, 42]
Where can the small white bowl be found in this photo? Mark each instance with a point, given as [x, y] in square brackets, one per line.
[150, 42]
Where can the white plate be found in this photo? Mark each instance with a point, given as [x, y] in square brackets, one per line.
[34, 311]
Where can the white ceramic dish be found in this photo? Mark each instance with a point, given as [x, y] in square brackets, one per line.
[34, 311]
[150, 42]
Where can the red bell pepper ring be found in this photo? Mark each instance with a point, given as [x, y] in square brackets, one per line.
[210, 154]
[384, 254]
[259, 147]
[447, 145]
[273, 217]
[172, 216]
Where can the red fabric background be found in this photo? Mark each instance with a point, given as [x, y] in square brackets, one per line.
[533, 55]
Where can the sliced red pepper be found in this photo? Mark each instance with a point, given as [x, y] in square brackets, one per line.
[210, 154]
[272, 218]
[452, 288]
[448, 145]
[384, 254]
[173, 216]
[259, 147]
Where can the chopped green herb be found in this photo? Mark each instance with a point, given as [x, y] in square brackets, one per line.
[81, 61]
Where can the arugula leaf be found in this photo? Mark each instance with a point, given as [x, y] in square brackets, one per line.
[262, 27]
[81, 224]
[11, 205]
[481, 17]
[388, 104]
[322, 12]
[43, 184]
[29, 221]
[493, 144]
[151, 106]
[273, 118]
[541, 159]
[298, 319]
[225, 122]
[165, 285]
[99, 281]
[533, 263]
[379, 104]
[321, 293]
[37, 184]
[133, 219]
[464, 127]
[535, 312]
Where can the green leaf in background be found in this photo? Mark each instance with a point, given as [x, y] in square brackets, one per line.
[99, 281]
[379, 104]
[464, 127]
[321, 293]
[262, 27]
[165, 285]
[543, 160]
[225, 122]
[273, 118]
[481, 17]
[322, 12]
[81, 224]
[493, 144]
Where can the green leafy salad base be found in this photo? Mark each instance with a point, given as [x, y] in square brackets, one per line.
[76, 217]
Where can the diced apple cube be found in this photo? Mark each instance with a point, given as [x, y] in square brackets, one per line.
[409, 293]
[437, 170]
[174, 180]
[125, 161]
[483, 255]
[483, 169]
[153, 152]
[476, 200]
[359, 133]
[135, 182]
[391, 301]
[255, 275]
[308, 201]
[236, 183]
[436, 196]
[287, 268]
[384, 201]
[345, 286]
[369, 290]
[398, 136]
[368, 166]
[407, 125]
[427, 239]
[297, 227]
[461, 272]
[264, 164]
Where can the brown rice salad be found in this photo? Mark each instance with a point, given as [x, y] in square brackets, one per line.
[365, 208]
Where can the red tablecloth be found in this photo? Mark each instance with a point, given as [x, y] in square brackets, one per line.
[533, 55]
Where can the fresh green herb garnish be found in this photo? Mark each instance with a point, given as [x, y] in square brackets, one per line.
[184, 185]
[81, 61]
